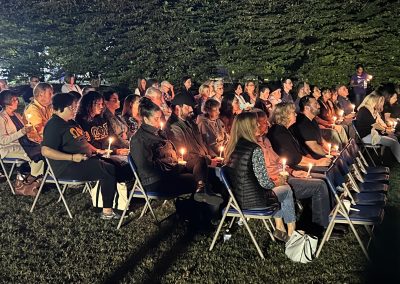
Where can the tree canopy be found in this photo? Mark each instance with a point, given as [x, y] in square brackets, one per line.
[319, 41]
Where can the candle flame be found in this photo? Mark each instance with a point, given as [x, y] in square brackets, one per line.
[28, 116]
[110, 140]
[221, 148]
[182, 151]
[161, 125]
[336, 147]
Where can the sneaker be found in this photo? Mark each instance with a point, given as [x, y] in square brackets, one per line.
[110, 216]
[207, 196]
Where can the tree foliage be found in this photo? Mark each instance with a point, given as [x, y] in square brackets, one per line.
[320, 41]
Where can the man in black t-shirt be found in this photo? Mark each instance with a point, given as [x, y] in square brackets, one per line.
[306, 128]
[70, 155]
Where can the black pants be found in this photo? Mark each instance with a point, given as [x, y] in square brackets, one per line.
[320, 198]
[197, 165]
[95, 169]
[174, 184]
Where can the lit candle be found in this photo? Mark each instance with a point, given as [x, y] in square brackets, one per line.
[336, 148]
[354, 107]
[309, 169]
[394, 124]
[161, 125]
[329, 149]
[110, 140]
[28, 118]
[390, 124]
[369, 77]
[221, 149]
[284, 165]
[334, 121]
[181, 160]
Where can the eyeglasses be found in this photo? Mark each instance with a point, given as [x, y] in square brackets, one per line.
[35, 81]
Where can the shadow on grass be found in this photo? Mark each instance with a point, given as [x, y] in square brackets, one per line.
[385, 250]
[136, 257]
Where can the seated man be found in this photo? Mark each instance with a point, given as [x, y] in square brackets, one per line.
[302, 186]
[184, 134]
[39, 111]
[307, 131]
[70, 155]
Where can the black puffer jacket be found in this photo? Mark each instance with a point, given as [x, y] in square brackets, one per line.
[246, 188]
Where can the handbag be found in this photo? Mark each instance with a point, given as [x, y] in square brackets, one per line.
[28, 185]
[301, 247]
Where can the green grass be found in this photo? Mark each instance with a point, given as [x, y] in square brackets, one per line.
[47, 246]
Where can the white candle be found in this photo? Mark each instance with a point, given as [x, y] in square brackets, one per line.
[354, 107]
[284, 165]
[329, 149]
[334, 121]
[336, 147]
[182, 151]
[110, 140]
[28, 118]
[221, 149]
[161, 125]
[394, 124]
[309, 169]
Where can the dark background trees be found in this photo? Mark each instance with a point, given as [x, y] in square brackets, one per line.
[320, 41]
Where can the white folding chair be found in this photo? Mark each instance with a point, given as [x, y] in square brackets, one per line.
[50, 177]
[233, 210]
[8, 174]
[138, 191]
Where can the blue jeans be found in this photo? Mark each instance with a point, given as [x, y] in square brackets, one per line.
[285, 197]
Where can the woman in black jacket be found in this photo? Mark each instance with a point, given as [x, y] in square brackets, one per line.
[157, 161]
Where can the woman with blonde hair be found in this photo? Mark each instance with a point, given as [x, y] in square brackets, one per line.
[370, 126]
[252, 186]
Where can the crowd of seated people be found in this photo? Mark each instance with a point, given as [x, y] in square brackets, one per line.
[249, 132]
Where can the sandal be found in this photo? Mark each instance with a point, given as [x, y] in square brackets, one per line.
[281, 235]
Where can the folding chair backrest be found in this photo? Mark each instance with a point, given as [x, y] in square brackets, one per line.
[133, 167]
[224, 176]
[334, 178]
[354, 124]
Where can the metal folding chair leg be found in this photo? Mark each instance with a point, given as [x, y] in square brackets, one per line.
[8, 175]
[39, 191]
[221, 223]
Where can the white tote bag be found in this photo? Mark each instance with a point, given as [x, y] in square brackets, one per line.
[301, 247]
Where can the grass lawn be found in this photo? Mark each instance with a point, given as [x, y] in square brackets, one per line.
[47, 246]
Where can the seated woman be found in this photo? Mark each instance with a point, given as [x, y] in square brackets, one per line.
[284, 143]
[371, 128]
[303, 187]
[212, 128]
[98, 129]
[230, 107]
[262, 101]
[156, 158]
[390, 107]
[130, 114]
[201, 98]
[14, 142]
[119, 127]
[330, 129]
[70, 155]
[251, 184]
[250, 92]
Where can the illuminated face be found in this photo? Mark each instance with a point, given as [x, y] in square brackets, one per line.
[45, 97]
[250, 87]
[186, 112]
[292, 118]
[219, 90]
[239, 90]
[188, 84]
[314, 107]
[135, 106]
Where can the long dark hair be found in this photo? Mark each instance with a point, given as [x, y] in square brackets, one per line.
[86, 104]
[147, 108]
[128, 102]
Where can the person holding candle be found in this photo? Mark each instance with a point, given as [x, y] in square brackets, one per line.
[370, 127]
[327, 119]
[157, 159]
[71, 156]
[40, 110]
[184, 133]
[212, 128]
[307, 130]
[97, 128]
[359, 83]
[118, 125]
[13, 134]
[285, 143]
[251, 185]
[302, 185]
